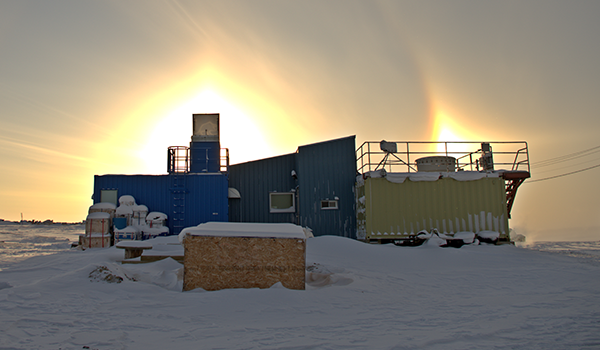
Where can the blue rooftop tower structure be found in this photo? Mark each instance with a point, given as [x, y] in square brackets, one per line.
[195, 189]
[205, 147]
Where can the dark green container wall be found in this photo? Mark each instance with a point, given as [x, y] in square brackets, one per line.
[204, 195]
[324, 171]
[255, 180]
[327, 171]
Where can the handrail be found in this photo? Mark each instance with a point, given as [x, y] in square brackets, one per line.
[513, 155]
[179, 159]
[516, 164]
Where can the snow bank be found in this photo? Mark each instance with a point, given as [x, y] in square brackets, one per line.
[466, 236]
[134, 244]
[360, 296]
[488, 235]
[164, 250]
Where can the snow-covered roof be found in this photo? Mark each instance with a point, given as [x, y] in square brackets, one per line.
[431, 176]
[155, 215]
[126, 200]
[128, 229]
[98, 215]
[139, 207]
[134, 244]
[124, 210]
[243, 229]
[103, 205]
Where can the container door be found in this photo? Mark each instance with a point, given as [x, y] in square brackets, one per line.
[109, 196]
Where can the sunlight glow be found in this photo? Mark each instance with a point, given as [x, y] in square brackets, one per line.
[238, 131]
[253, 123]
[448, 129]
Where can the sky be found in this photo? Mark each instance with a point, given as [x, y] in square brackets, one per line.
[104, 87]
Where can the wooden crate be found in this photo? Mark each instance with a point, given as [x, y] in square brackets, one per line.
[98, 222]
[220, 262]
[103, 208]
[95, 241]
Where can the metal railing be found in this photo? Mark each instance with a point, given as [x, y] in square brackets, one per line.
[402, 156]
[224, 161]
[179, 159]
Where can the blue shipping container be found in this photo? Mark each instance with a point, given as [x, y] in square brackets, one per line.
[187, 199]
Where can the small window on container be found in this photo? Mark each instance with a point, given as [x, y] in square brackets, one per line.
[327, 204]
[109, 196]
[282, 202]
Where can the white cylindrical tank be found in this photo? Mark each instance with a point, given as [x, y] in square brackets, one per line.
[436, 164]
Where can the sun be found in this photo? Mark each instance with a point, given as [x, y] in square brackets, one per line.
[238, 132]
[448, 129]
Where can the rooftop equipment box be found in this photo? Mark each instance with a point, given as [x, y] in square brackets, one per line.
[220, 255]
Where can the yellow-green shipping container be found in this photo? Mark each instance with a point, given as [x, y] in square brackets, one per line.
[388, 208]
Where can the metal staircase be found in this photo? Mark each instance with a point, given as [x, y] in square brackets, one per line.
[513, 179]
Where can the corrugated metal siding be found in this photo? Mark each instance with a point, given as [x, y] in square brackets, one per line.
[205, 157]
[205, 195]
[393, 210]
[327, 170]
[361, 208]
[255, 180]
[207, 199]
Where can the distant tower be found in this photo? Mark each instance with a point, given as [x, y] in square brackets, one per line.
[205, 147]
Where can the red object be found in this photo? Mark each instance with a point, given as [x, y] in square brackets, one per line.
[513, 180]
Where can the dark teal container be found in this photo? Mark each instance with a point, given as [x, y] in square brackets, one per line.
[120, 223]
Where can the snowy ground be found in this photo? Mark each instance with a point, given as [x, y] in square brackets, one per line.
[360, 296]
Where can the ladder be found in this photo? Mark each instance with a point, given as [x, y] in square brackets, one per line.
[178, 191]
